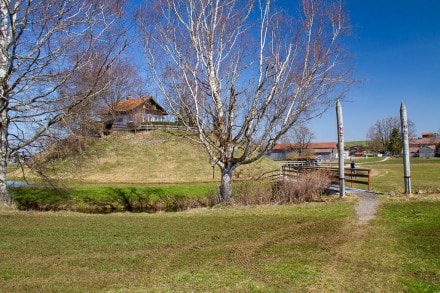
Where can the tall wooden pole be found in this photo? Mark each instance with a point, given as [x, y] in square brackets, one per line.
[340, 148]
[406, 166]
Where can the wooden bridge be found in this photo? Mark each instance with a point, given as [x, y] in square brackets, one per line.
[359, 177]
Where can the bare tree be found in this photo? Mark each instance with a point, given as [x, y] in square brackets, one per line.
[123, 80]
[117, 83]
[244, 72]
[300, 136]
[379, 135]
[43, 43]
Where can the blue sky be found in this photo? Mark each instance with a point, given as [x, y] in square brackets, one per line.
[396, 48]
[396, 57]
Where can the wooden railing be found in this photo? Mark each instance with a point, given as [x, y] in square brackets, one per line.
[146, 127]
[353, 177]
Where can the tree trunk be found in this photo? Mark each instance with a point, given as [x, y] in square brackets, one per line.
[5, 198]
[226, 184]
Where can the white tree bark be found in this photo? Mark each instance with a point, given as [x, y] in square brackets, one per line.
[241, 73]
[43, 43]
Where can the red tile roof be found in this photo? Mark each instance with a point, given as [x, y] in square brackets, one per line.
[313, 145]
[283, 146]
[429, 134]
[424, 141]
[131, 104]
[323, 145]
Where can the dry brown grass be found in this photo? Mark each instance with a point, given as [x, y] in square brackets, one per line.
[144, 157]
[305, 187]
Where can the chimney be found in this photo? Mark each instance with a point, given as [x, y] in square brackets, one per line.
[128, 97]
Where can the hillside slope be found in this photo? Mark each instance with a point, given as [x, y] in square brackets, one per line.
[147, 157]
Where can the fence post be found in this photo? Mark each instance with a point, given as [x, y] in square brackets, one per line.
[369, 186]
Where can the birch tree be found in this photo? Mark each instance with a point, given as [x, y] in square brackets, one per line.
[43, 43]
[244, 71]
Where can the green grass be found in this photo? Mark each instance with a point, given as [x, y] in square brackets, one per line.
[312, 247]
[362, 160]
[400, 252]
[388, 175]
[109, 198]
[213, 250]
[349, 144]
[182, 189]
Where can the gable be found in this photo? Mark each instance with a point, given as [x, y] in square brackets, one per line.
[129, 105]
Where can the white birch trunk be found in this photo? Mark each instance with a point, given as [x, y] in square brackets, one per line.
[5, 198]
[5, 37]
[41, 48]
[226, 185]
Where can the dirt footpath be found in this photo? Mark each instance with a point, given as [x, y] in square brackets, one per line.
[367, 207]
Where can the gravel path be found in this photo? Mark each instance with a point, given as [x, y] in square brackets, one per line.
[367, 207]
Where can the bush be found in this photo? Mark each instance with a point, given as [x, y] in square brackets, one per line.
[252, 193]
[306, 186]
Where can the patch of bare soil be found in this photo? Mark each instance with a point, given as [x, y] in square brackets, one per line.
[367, 207]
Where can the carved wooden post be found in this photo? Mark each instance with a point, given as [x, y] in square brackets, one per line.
[340, 148]
[406, 166]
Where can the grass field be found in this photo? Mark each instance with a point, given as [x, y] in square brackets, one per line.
[317, 246]
[387, 175]
[311, 247]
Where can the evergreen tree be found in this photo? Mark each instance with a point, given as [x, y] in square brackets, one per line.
[395, 145]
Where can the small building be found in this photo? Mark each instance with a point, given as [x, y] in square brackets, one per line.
[128, 113]
[429, 135]
[357, 151]
[424, 147]
[426, 152]
[326, 151]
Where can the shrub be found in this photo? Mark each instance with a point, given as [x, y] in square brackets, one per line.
[306, 186]
[252, 193]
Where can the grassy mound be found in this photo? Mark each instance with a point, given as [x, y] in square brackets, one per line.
[145, 157]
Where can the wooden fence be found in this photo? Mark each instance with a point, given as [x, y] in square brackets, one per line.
[147, 127]
[353, 177]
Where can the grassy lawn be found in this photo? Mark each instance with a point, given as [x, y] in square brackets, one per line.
[388, 175]
[399, 251]
[310, 247]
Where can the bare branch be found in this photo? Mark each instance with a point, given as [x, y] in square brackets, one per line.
[242, 72]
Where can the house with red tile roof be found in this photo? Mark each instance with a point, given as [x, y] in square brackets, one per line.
[326, 151]
[424, 147]
[132, 112]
